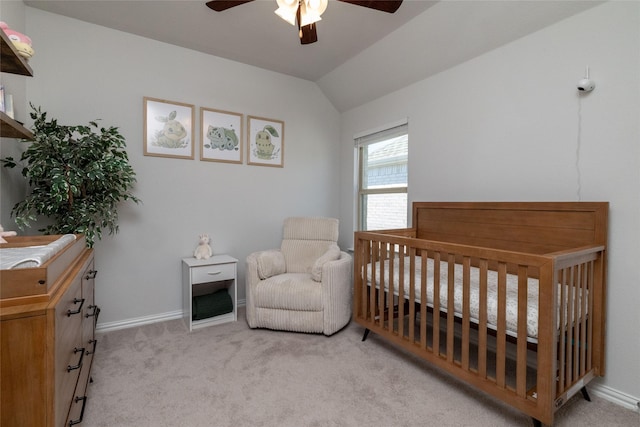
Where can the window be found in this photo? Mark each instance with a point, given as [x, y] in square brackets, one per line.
[383, 179]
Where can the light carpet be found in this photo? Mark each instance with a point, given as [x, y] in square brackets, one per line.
[232, 376]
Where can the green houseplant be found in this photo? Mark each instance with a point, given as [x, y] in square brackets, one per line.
[77, 176]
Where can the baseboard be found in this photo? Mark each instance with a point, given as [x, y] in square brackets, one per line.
[145, 320]
[614, 396]
[138, 321]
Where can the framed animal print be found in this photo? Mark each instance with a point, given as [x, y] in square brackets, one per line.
[220, 136]
[168, 128]
[265, 142]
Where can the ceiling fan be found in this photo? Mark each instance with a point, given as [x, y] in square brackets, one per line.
[306, 13]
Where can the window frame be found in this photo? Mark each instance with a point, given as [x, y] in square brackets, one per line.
[361, 142]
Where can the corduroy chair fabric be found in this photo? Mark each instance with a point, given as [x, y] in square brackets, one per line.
[281, 292]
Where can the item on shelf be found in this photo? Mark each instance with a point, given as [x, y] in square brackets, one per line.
[21, 42]
[8, 105]
[210, 305]
[203, 250]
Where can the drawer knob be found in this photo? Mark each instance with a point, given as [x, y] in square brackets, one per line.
[213, 273]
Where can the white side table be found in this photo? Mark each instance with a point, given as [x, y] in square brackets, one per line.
[205, 276]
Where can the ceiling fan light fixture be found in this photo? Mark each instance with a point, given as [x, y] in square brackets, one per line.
[308, 16]
[316, 6]
[287, 10]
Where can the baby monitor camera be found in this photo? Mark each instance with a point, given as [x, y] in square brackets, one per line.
[586, 84]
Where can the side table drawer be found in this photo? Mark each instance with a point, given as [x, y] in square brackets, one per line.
[213, 273]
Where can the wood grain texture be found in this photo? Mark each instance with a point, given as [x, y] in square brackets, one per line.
[559, 245]
[39, 341]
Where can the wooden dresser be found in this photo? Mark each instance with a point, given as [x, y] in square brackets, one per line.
[47, 324]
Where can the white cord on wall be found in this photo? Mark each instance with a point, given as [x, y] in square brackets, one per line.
[578, 144]
[585, 86]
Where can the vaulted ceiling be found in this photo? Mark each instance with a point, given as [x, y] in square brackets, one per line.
[361, 54]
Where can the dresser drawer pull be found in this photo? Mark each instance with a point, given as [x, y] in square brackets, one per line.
[213, 273]
[95, 311]
[79, 365]
[94, 342]
[91, 274]
[84, 403]
[75, 301]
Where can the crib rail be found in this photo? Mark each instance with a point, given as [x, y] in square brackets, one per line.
[536, 374]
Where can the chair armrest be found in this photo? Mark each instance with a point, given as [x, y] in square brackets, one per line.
[337, 292]
[252, 278]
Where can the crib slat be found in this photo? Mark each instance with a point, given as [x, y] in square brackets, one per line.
[423, 301]
[380, 293]
[583, 318]
[391, 291]
[401, 285]
[436, 303]
[466, 301]
[501, 336]
[576, 324]
[482, 326]
[570, 320]
[375, 247]
[563, 279]
[597, 316]
[589, 317]
[521, 354]
[412, 294]
[451, 260]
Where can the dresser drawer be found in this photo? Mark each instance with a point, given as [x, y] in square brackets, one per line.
[213, 273]
[69, 351]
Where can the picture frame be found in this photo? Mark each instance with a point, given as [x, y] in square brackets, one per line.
[220, 136]
[265, 142]
[168, 128]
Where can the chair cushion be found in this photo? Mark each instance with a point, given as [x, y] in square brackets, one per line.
[332, 254]
[301, 255]
[270, 263]
[305, 239]
[289, 291]
[311, 228]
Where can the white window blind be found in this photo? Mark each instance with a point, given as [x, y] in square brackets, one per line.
[383, 178]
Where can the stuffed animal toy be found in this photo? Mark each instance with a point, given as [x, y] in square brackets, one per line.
[203, 250]
[21, 42]
[4, 234]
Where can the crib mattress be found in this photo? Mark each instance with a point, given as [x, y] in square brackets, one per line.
[474, 294]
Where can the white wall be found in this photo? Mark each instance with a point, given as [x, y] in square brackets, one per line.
[510, 125]
[84, 72]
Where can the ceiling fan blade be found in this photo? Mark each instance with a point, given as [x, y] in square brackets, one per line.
[220, 5]
[388, 6]
[308, 34]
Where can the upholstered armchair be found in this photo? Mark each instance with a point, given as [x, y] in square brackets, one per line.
[306, 285]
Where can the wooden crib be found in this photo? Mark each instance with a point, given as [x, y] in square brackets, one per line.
[462, 289]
